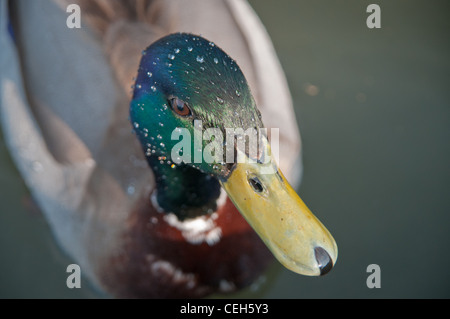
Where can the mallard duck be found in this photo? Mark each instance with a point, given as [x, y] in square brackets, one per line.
[137, 221]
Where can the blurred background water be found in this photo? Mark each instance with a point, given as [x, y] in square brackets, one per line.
[373, 106]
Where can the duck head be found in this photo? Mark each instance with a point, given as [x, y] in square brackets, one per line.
[188, 99]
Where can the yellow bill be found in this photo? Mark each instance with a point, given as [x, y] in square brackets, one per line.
[269, 204]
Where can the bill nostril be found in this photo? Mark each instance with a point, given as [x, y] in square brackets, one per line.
[323, 259]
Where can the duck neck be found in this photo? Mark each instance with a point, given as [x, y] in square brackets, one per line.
[183, 190]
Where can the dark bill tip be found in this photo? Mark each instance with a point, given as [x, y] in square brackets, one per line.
[323, 260]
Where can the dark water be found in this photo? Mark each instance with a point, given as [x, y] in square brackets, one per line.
[373, 107]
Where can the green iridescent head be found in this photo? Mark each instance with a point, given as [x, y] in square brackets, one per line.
[184, 78]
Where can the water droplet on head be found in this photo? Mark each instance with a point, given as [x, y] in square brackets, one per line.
[212, 44]
[171, 56]
[190, 49]
[200, 59]
[216, 60]
[149, 74]
[176, 50]
[238, 93]
[220, 100]
[153, 88]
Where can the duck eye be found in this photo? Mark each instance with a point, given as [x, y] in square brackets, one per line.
[180, 107]
[256, 184]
